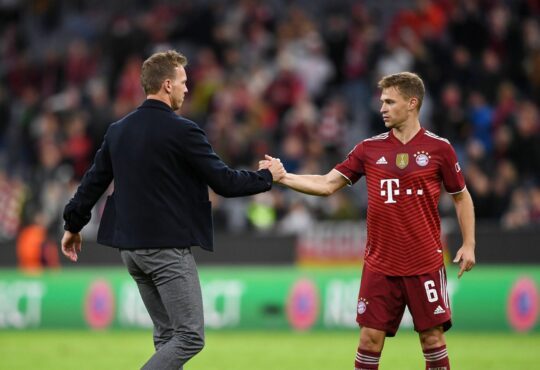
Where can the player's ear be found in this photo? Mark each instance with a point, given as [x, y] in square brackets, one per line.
[413, 103]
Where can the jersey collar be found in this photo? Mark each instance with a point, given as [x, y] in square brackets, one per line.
[415, 138]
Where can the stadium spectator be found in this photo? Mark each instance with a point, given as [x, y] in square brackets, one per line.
[76, 59]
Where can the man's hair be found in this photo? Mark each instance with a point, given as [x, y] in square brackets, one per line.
[408, 84]
[158, 68]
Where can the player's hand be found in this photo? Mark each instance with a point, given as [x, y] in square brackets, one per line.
[264, 164]
[71, 245]
[465, 258]
[275, 166]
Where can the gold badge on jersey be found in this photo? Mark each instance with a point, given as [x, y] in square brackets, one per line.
[402, 160]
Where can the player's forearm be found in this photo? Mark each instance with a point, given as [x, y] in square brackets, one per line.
[465, 214]
[307, 184]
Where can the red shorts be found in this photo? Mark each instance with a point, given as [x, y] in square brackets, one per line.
[382, 300]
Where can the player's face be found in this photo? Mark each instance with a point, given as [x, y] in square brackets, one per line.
[395, 109]
[179, 88]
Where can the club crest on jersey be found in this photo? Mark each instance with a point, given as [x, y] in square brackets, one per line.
[422, 158]
[402, 160]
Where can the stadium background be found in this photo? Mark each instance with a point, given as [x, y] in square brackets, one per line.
[296, 79]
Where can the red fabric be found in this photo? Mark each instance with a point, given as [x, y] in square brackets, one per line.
[403, 221]
[284, 91]
[426, 22]
[437, 359]
[382, 300]
[366, 360]
[78, 149]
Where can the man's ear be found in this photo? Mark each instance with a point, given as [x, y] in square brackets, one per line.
[167, 86]
[413, 103]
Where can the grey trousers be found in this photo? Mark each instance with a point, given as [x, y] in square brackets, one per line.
[170, 289]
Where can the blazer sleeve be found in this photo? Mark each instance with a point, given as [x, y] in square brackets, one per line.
[223, 180]
[95, 181]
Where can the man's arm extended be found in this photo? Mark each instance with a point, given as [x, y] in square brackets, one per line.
[323, 185]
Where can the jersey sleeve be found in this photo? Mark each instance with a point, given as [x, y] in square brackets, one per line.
[452, 175]
[352, 168]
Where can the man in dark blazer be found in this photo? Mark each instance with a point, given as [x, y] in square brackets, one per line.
[162, 165]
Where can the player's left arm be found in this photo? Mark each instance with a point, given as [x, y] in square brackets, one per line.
[465, 215]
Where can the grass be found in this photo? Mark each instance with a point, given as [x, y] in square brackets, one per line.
[259, 350]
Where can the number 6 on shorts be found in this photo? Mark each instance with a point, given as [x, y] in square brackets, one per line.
[431, 292]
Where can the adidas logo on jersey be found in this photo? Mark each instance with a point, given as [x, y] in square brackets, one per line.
[381, 160]
[439, 310]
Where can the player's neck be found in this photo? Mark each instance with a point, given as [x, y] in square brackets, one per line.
[407, 131]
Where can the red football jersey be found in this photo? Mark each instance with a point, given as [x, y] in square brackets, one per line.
[404, 185]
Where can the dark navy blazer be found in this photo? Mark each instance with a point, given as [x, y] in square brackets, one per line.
[162, 165]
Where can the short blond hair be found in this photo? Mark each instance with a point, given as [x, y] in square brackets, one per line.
[159, 67]
[407, 83]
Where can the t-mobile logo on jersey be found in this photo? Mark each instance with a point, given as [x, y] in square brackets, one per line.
[390, 188]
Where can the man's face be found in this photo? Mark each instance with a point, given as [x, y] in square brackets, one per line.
[179, 88]
[395, 109]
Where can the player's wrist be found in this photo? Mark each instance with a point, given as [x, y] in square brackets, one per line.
[283, 179]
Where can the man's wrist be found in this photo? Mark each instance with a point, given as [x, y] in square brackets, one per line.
[266, 176]
[469, 245]
[71, 229]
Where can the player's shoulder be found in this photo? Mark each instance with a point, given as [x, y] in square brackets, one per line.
[380, 138]
[377, 138]
[436, 139]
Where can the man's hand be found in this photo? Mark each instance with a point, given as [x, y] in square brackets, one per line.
[465, 258]
[274, 165]
[265, 164]
[71, 245]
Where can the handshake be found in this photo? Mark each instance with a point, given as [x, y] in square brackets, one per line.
[275, 167]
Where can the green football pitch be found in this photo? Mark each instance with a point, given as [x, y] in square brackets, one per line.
[258, 350]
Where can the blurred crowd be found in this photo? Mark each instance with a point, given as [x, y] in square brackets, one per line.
[293, 79]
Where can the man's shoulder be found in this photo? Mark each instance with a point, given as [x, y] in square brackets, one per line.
[435, 139]
[185, 121]
[360, 147]
[178, 120]
[375, 141]
[168, 118]
[377, 138]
